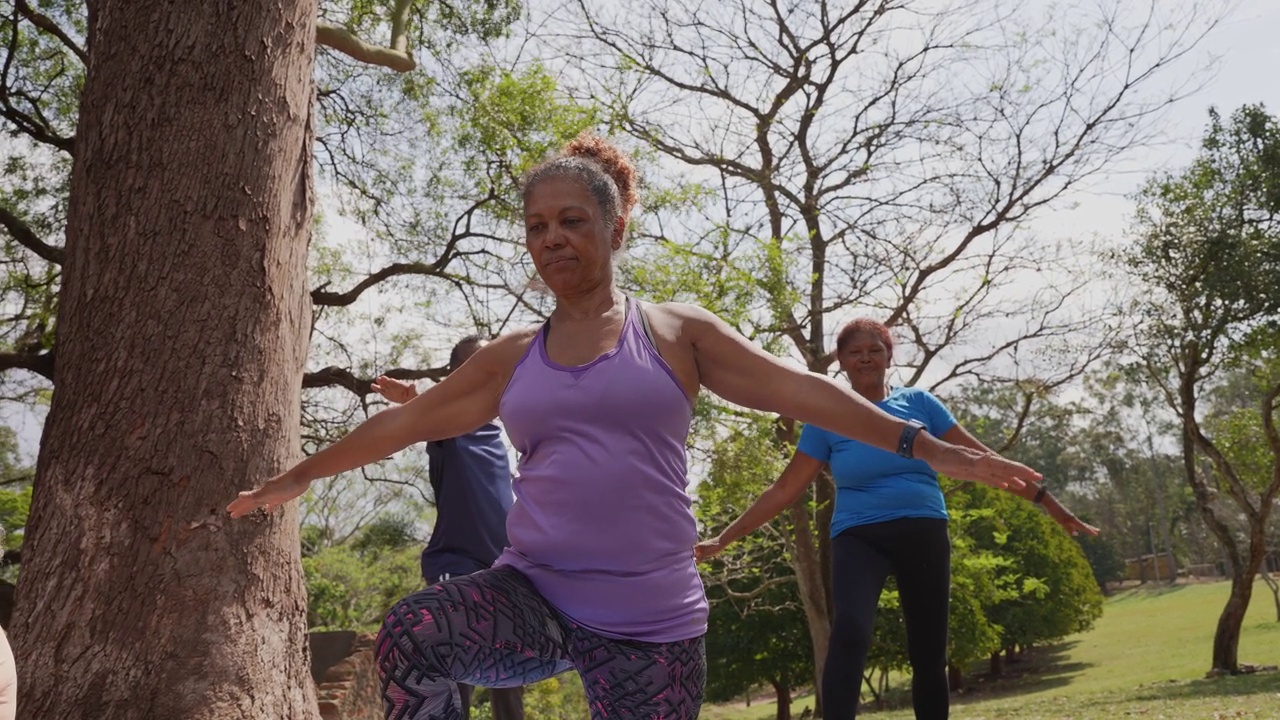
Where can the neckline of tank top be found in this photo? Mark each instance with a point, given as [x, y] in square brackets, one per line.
[631, 306]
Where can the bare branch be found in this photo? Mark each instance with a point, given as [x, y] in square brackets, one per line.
[1224, 467]
[334, 376]
[40, 363]
[323, 297]
[417, 487]
[1273, 439]
[757, 591]
[48, 25]
[32, 127]
[26, 237]
[396, 57]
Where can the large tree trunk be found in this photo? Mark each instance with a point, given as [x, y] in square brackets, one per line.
[813, 595]
[1226, 638]
[997, 664]
[812, 576]
[181, 339]
[783, 692]
[955, 677]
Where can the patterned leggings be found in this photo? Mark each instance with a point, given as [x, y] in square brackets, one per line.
[493, 629]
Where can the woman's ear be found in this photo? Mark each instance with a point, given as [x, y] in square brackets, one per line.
[619, 233]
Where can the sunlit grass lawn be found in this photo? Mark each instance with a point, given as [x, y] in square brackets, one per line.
[1145, 658]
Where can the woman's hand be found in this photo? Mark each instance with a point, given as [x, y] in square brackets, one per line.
[1072, 524]
[708, 549]
[273, 493]
[397, 391]
[962, 463]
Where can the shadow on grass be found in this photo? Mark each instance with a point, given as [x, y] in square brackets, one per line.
[1229, 686]
[1036, 670]
[1147, 591]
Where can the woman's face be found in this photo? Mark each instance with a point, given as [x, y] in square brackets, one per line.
[865, 359]
[571, 244]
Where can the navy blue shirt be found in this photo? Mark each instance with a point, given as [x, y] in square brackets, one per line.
[471, 478]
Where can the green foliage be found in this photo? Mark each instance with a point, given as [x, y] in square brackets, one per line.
[516, 117]
[352, 585]
[15, 496]
[388, 532]
[434, 27]
[1235, 413]
[1106, 456]
[720, 279]
[42, 83]
[1207, 251]
[982, 579]
[15, 506]
[557, 698]
[758, 633]
[1056, 594]
[1104, 559]
[1207, 240]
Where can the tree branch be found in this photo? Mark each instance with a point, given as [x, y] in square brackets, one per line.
[1224, 467]
[47, 24]
[1273, 439]
[396, 57]
[40, 363]
[27, 237]
[762, 588]
[334, 376]
[26, 124]
[323, 297]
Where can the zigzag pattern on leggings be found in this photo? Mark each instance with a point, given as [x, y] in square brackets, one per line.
[647, 681]
[490, 629]
[493, 629]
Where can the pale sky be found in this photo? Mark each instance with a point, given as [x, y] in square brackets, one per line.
[1247, 50]
[1248, 55]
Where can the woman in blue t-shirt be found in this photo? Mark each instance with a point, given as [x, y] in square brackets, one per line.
[889, 518]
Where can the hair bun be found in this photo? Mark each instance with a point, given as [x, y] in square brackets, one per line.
[614, 161]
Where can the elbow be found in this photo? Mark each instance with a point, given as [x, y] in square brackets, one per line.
[788, 491]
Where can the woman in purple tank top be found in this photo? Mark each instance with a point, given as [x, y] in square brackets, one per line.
[600, 576]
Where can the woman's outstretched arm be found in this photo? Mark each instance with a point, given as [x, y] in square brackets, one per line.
[737, 370]
[462, 402]
[797, 476]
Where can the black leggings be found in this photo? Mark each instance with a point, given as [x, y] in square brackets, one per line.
[918, 552]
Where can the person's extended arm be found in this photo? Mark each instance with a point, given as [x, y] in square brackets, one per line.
[737, 370]
[459, 404]
[957, 435]
[798, 474]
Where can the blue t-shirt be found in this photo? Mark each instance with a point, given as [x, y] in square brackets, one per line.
[471, 478]
[874, 485]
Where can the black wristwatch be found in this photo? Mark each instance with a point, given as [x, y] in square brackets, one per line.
[907, 441]
[1040, 493]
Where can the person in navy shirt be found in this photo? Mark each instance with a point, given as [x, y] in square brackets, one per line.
[471, 480]
[890, 518]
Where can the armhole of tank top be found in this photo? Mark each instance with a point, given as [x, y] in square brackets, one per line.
[644, 325]
[529, 350]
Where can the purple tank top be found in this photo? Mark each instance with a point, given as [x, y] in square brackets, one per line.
[602, 524]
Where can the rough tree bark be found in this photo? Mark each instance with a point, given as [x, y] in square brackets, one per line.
[181, 340]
